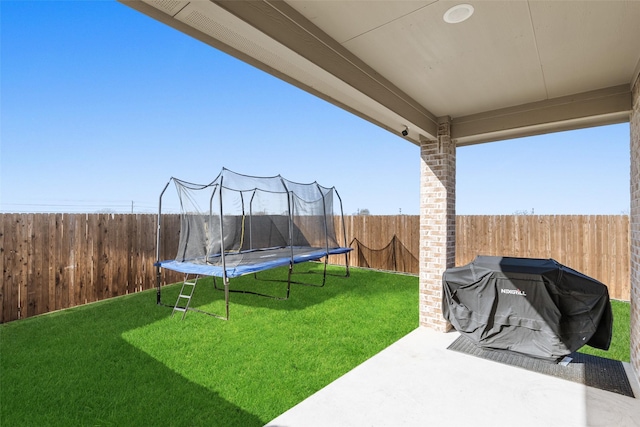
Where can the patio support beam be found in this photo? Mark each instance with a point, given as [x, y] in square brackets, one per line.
[437, 222]
[595, 108]
[634, 228]
[287, 26]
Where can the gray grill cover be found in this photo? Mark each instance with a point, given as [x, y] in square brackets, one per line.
[537, 307]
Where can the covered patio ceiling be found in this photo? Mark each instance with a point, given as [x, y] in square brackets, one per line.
[513, 68]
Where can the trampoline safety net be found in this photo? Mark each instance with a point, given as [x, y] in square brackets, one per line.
[240, 224]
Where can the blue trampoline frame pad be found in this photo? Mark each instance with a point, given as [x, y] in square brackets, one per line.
[251, 261]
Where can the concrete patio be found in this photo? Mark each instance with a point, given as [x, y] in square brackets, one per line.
[418, 382]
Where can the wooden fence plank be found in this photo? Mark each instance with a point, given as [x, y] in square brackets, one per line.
[109, 266]
[37, 293]
[57, 261]
[577, 261]
[65, 256]
[3, 269]
[43, 262]
[51, 251]
[93, 238]
[11, 275]
[122, 254]
[102, 257]
[119, 259]
[28, 293]
[130, 232]
[79, 259]
[24, 241]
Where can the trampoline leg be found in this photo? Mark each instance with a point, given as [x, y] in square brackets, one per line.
[324, 273]
[289, 280]
[226, 296]
[215, 284]
[158, 281]
[346, 263]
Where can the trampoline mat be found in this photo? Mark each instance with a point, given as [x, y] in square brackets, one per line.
[592, 371]
[252, 261]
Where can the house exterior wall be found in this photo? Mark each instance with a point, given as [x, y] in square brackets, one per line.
[437, 223]
[634, 228]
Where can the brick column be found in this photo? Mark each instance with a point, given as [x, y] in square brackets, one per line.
[634, 228]
[437, 223]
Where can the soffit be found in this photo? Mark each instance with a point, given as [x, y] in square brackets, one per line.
[566, 64]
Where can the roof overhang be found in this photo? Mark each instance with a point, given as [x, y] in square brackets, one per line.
[399, 65]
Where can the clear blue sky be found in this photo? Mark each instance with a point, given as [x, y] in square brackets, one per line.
[101, 105]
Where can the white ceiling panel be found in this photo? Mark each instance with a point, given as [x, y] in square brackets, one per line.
[586, 45]
[348, 19]
[487, 62]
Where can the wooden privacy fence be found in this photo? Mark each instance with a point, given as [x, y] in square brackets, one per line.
[596, 245]
[382, 242]
[55, 261]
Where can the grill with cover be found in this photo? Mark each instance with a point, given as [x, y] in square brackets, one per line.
[537, 307]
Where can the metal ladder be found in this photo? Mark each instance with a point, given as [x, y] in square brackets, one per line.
[185, 295]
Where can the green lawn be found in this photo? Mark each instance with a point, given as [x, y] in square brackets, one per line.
[125, 361]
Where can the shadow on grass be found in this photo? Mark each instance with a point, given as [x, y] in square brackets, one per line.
[125, 361]
[273, 282]
[74, 368]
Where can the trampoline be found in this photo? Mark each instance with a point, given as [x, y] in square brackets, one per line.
[249, 262]
[239, 224]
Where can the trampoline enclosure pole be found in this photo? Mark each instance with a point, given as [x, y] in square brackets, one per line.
[289, 203]
[158, 237]
[208, 237]
[251, 219]
[344, 232]
[324, 212]
[326, 234]
[225, 279]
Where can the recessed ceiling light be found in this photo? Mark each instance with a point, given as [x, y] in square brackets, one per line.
[458, 13]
